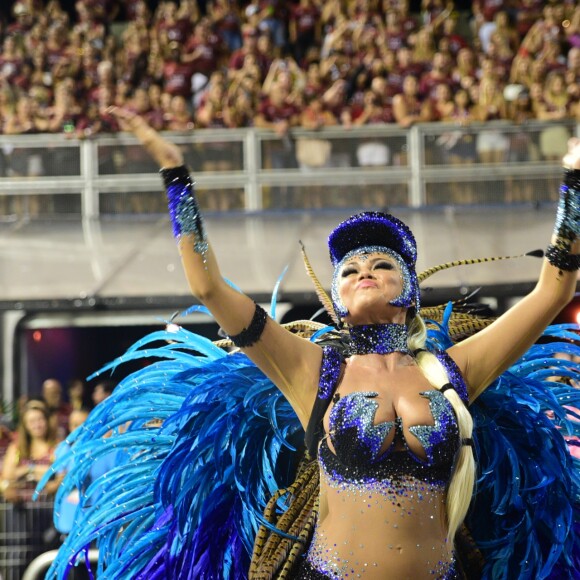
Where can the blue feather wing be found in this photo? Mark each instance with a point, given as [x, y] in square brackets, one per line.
[525, 512]
[198, 437]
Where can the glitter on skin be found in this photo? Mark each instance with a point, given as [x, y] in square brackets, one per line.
[397, 480]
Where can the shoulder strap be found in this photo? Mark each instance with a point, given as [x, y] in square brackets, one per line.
[330, 371]
[455, 377]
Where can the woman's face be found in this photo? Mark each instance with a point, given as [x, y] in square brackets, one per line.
[35, 423]
[366, 285]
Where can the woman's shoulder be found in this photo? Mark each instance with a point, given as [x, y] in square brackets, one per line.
[454, 372]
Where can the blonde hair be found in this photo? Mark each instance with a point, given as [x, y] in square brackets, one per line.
[462, 481]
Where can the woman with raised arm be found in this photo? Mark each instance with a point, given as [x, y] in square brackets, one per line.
[389, 471]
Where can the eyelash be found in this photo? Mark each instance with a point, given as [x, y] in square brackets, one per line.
[385, 265]
[378, 265]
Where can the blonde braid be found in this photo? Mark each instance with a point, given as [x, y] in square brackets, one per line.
[462, 481]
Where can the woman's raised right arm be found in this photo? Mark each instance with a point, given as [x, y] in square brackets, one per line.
[292, 363]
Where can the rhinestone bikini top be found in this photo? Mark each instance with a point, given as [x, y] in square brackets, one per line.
[358, 442]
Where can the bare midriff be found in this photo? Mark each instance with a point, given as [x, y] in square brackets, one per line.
[381, 529]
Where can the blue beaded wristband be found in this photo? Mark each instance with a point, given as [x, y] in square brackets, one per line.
[186, 219]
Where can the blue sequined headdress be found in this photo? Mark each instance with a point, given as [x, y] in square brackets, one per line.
[374, 231]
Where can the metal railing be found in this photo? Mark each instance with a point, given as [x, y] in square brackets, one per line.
[26, 531]
[250, 169]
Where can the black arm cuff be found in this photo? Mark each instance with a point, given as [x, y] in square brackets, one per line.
[172, 174]
[572, 178]
[252, 334]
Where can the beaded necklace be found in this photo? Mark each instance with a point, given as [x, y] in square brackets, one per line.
[378, 339]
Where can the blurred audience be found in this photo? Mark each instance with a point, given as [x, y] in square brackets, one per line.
[29, 456]
[59, 409]
[60, 70]
[102, 390]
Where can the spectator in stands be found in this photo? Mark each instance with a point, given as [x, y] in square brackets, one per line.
[24, 16]
[459, 146]
[23, 120]
[456, 41]
[304, 28]
[247, 79]
[544, 30]
[64, 113]
[334, 99]
[522, 147]
[249, 47]
[314, 85]
[313, 153]
[77, 396]
[240, 108]
[433, 12]
[102, 390]
[58, 408]
[492, 144]
[177, 73]
[28, 458]
[407, 107]
[424, 47]
[520, 73]
[171, 26]
[394, 31]
[527, 13]
[11, 57]
[554, 106]
[203, 50]
[227, 22]
[269, 16]
[438, 74]
[442, 105]
[279, 113]
[505, 34]
[179, 117]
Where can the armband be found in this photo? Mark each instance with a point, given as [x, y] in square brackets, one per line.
[184, 208]
[567, 226]
[252, 334]
[560, 256]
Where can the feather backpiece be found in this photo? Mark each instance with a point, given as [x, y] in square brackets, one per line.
[203, 440]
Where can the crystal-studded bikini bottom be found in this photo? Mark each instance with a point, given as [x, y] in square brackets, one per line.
[307, 572]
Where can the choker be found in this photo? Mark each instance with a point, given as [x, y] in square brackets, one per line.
[378, 339]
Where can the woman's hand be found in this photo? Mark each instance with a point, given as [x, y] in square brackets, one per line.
[572, 159]
[166, 154]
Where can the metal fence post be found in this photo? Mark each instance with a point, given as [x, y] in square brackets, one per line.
[415, 156]
[252, 164]
[89, 192]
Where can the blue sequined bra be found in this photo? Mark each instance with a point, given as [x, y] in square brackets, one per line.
[358, 442]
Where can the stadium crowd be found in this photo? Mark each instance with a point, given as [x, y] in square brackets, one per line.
[276, 64]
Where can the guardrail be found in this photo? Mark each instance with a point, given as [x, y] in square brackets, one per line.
[253, 170]
[26, 531]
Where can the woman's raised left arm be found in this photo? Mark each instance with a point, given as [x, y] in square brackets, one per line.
[484, 356]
